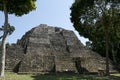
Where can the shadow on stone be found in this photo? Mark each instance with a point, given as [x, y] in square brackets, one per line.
[16, 69]
[53, 70]
[80, 69]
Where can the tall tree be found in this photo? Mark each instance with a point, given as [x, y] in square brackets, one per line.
[19, 8]
[92, 19]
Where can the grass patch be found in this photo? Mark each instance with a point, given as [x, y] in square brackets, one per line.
[115, 75]
[14, 76]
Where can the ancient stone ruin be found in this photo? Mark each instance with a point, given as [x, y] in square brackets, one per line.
[46, 49]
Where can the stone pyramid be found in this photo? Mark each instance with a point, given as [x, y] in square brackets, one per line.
[46, 49]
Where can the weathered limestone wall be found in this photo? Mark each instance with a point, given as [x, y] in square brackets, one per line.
[36, 64]
[51, 49]
[14, 56]
[64, 64]
[43, 43]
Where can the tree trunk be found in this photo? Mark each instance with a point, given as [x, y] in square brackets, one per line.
[107, 47]
[2, 68]
[106, 32]
[113, 54]
[107, 56]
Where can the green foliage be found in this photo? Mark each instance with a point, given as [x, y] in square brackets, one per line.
[78, 8]
[19, 7]
[88, 45]
[92, 19]
[10, 30]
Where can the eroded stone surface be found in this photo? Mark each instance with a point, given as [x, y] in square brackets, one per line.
[52, 49]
